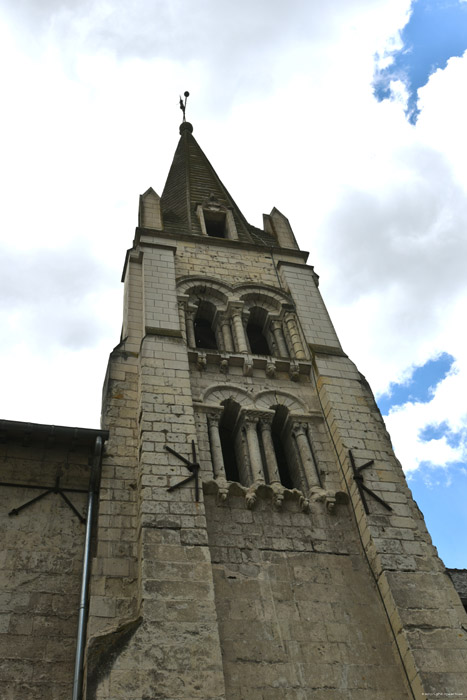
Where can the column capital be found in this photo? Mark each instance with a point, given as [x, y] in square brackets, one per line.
[213, 417]
[190, 310]
[235, 308]
[299, 427]
[255, 416]
[265, 421]
[249, 420]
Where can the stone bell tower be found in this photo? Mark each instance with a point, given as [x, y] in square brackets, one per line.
[256, 539]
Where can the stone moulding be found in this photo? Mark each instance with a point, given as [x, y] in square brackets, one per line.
[272, 366]
[217, 394]
[274, 493]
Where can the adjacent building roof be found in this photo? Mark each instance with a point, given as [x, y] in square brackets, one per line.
[23, 432]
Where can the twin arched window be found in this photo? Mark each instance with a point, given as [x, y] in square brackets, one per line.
[245, 458]
[256, 320]
[257, 339]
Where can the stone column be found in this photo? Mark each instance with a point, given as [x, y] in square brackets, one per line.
[190, 314]
[216, 447]
[181, 318]
[238, 329]
[244, 458]
[299, 430]
[278, 333]
[269, 452]
[227, 334]
[253, 449]
[294, 335]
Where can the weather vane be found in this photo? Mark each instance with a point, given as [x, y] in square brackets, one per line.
[183, 104]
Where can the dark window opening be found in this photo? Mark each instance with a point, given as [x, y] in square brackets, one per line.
[258, 342]
[204, 334]
[228, 452]
[283, 455]
[284, 473]
[215, 222]
[228, 433]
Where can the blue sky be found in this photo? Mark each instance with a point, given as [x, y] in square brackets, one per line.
[439, 489]
[435, 32]
[439, 493]
[419, 386]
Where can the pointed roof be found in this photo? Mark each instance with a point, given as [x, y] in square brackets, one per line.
[191, 182]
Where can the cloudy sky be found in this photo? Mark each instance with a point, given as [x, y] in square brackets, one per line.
[348, 116]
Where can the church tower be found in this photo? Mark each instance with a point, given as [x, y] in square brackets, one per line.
[256, 538]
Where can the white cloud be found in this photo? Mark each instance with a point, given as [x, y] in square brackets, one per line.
[282, 104]
[405, 423]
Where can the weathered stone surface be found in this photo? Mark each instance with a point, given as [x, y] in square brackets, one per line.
[42, 549]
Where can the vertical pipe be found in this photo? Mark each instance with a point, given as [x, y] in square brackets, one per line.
[83, 603]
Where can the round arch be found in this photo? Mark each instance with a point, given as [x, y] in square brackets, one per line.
[218, 394]
[265, 400]
[206, 288]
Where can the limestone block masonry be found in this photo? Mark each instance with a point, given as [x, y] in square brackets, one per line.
[236, 558]
[44, 482]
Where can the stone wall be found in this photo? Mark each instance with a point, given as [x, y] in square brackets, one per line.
[299, 612]
[41, 563]
[214, 599]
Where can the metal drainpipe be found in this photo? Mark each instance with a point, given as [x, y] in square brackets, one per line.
[83, 604]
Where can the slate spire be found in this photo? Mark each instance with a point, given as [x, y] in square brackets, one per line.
[191, 182]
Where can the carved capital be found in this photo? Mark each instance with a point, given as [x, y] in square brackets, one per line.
[265, 422]
[235, 308]
[250, 420]
[299, 428]
[213, 419]
[190, 311]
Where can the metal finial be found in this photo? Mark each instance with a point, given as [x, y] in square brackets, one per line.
[183, 104]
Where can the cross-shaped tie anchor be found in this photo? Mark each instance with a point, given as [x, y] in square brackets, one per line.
[193, 466]
[357, 475]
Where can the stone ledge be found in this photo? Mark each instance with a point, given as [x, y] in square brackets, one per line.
[275, 493]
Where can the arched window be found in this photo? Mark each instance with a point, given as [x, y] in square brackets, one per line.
[285, 454]
[227, 430]
[205, 336]
[255, 330]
